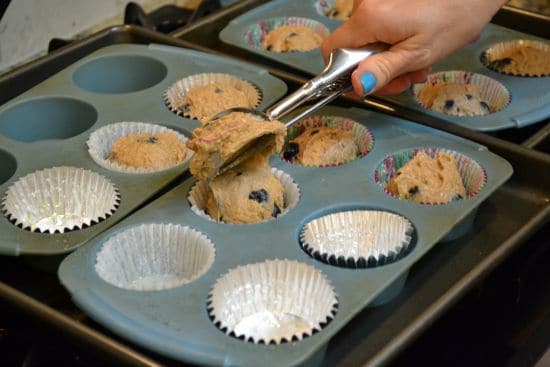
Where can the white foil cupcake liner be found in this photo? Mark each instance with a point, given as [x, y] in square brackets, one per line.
[154, 256]
[174, 96]
[358, 238]
[272, 302]
[361, 135]
[472, 174]
[490, 57]
[255, 33]
[198, 195]
[60, 199]
[101, 141]
[492, 92]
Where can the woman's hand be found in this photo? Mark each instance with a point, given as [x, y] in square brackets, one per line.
[420, 33]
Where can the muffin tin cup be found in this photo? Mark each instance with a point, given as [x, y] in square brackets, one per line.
[472, 174]
[255, 33]
[492, 91]
[101, 141]
[154, 256]
[358, 238]
[272, 302]
[198, 195]
[496, 51]
[174, 96]
[361, 135]
[60, 199]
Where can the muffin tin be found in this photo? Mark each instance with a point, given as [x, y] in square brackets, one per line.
[48, 126]
[530, 97]
[175, 322]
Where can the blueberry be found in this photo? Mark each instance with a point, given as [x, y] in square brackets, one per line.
[152, 140]
[499, 64]
[335, 13]
[485, 106]
[238, 173]
[292, 35]
[218, 91]
[314, 132]
[268, 47]
[291, 151]
[260, 196]
[414, 190]
[449, 104]
[469, 96]
[276, 211]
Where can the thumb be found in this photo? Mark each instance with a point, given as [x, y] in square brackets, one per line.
[378, 70]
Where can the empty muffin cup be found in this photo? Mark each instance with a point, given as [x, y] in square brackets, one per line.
[60, 199]
[198, 195]
[358, 238]
[101, 141]
[364, 141]
[527, 58]
[473, 176]
[254, 34]
[154, 256]
[462, 100]
[241, 93]
[272, 302]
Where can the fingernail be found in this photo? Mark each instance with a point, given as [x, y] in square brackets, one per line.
[368, 82]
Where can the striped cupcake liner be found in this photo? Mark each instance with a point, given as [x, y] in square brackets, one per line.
[362, 136]
[495, 52]
[492, 92]
[472, 174]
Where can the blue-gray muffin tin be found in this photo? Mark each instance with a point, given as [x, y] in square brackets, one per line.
[530, 102]
[49, 125]
[175, 322]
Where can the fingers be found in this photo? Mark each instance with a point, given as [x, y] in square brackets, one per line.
[380, 69]
[350, 34]
[403, 82]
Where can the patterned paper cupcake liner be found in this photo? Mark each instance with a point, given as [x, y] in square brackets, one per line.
[174, 96]
[492, 92]
[472, 174]
[255, 33]
[358, 238]
[362, 136]
[101, 142]
[60, 199]
[151, 257]
[198, 195]
[272, 302]
[490, 57]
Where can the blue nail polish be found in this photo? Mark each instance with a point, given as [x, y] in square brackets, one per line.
[368, 81]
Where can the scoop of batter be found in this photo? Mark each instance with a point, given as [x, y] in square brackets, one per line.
[454, 99]
[341, 10]
[248, 193]
[427, 180]
[206, 101]
[322, 146]
[144, 150]
[523, 60]
[290, 38]
[224, 139]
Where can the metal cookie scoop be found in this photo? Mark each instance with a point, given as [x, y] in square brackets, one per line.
[333, 81]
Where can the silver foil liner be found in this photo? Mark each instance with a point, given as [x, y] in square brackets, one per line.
[60, 199]
[154, 256]
[174, 96]
[101, 142]
[490, 57]
[198, 195]
[272, 302]
[358, 238]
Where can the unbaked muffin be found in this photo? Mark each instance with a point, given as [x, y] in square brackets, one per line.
[291, 38]
[454, 99]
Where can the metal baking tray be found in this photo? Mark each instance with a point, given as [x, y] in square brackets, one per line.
[142, 100]
[530, 97]
[149, 318]
[505, 221]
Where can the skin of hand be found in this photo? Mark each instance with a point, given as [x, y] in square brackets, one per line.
[419, 32]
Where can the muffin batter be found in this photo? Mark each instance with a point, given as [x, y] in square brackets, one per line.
[427, 180]
[206, 101]
[322, 146]
[290, 38]
[223, 139]
[341, 10]
[144, 150]
[454, 99]
[523, 60]
[248, 193]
